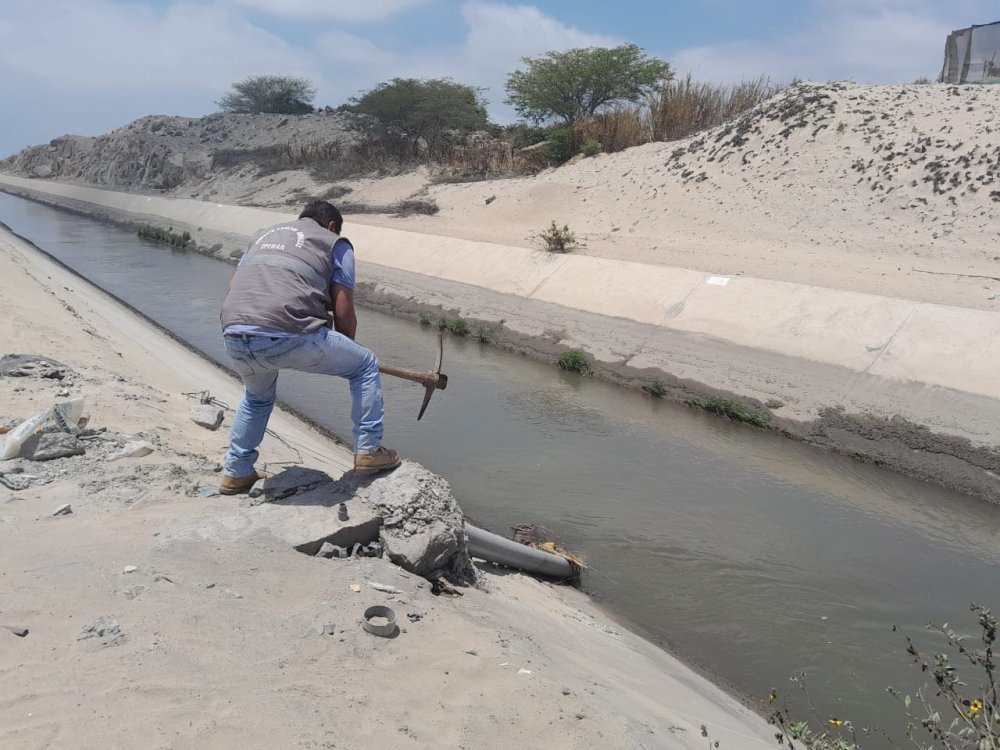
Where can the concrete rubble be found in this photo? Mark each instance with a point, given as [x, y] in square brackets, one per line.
[423, 528]
[50, 446]
[32, 366]
[134, 449]
[207, 416]
[106, 628]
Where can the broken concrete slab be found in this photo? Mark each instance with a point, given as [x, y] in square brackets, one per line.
[207, 416]
[136, 449]
[292, 481]
[304, 521]
[424, 528]
[53, 445]
[423, 532]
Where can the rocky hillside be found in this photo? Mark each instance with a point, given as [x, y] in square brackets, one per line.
[160, 152]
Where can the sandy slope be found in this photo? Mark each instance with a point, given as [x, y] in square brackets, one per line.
[863, 188]
[219, 644]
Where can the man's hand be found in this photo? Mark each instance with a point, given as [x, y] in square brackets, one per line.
[345, 320]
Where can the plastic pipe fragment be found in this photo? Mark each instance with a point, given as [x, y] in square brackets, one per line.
[494, 548]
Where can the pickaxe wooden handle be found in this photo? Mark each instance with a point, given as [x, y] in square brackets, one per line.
[426, 378]
[431, 380]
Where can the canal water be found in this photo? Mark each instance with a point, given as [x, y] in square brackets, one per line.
[754, 558]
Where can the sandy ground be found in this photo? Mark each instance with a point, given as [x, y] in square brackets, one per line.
[888, 190]
[139, 637]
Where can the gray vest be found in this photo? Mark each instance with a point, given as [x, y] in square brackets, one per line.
[283, 281]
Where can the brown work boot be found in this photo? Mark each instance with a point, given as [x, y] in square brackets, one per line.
[381, 460]
[237, 485]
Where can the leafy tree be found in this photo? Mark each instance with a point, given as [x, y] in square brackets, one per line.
[423, 108]
[275, 94]
[577, 83]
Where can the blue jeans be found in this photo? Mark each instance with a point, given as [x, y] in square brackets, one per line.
[258, 359]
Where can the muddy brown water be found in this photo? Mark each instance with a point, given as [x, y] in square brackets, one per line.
[752, 557]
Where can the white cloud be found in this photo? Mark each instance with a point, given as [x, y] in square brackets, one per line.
[113, 46]
[349, 11]
[506, 33]
[869, 41]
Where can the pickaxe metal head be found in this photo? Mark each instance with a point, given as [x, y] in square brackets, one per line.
[431, 381]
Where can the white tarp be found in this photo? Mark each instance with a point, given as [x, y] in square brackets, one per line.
[972, 55]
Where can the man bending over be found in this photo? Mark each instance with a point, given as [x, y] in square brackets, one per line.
[276, 316]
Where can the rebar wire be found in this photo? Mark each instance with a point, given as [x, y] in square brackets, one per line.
[206, 397]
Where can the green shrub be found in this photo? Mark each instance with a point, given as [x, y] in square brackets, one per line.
[456, 325]
[725, 407]
[484, 334]
[560, 145]
[425, 319]
[655, 388]
[591, 148]
[575, 361]
[167, 236]
[280, 94]
[558, 240]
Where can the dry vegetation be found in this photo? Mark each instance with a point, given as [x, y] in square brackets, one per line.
[679, 109]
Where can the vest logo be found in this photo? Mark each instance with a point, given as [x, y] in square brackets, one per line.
[300, 239]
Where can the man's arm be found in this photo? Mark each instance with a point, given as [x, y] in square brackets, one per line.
[345, 320]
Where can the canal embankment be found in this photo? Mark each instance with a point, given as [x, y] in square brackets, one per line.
[159, 606]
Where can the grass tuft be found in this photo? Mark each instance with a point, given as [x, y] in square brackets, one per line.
[167, 236]
[730, 409]
[484, 334]
[655, 388]
[558, 240]
[456, 325]
[575, 361]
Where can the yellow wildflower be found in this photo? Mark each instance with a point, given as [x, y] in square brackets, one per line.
[975, 706]
[835, 722]
[773, 696]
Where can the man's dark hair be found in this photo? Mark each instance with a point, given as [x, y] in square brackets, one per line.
[323, 213]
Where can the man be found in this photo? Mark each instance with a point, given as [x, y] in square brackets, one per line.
[276, 316]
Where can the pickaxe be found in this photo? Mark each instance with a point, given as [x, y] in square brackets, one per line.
[431, 380]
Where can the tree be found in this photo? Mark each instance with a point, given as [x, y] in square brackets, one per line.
[424, 108]
[282, 95]
[577, 83]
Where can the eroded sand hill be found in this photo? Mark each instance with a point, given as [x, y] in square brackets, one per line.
[855, 187]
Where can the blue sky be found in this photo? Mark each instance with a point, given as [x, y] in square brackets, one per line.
[86, 66]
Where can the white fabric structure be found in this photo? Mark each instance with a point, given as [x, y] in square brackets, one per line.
[972, 55]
